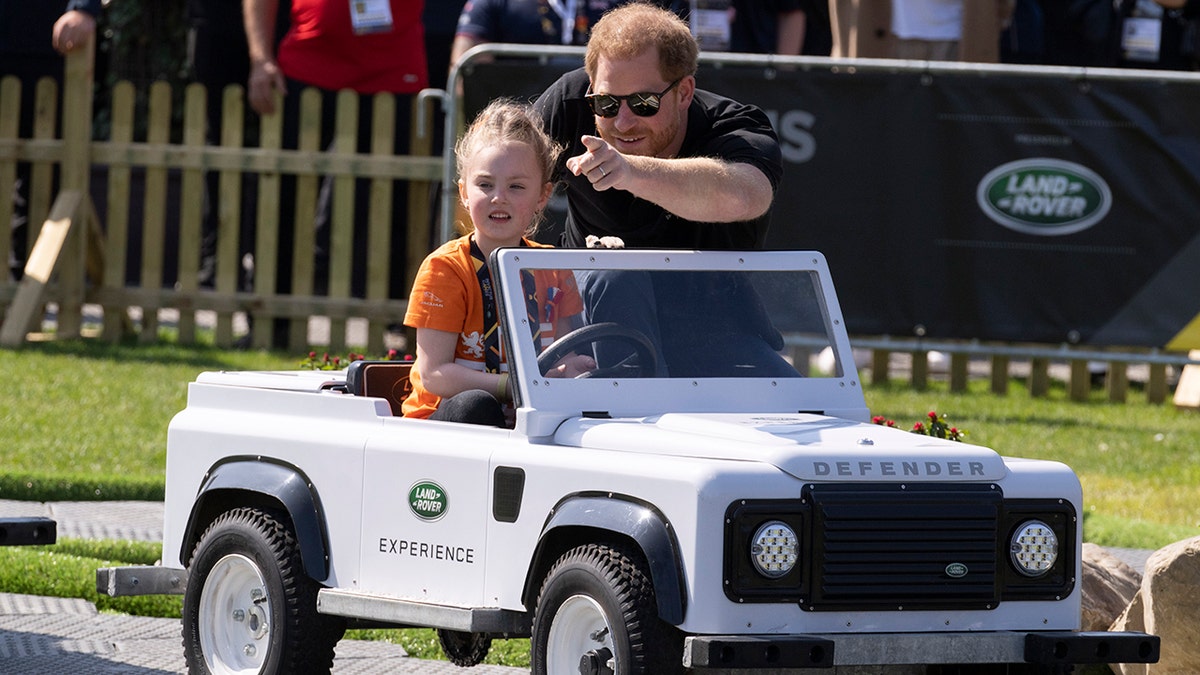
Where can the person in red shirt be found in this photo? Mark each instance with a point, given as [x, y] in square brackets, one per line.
[368, 46]
[460, 373]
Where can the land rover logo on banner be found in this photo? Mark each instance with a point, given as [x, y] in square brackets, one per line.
[1043, 196]
[427, 500]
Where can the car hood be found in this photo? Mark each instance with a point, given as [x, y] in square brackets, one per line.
[807, 446]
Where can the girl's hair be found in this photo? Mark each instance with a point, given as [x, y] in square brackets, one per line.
[629, 30]
[507, 120]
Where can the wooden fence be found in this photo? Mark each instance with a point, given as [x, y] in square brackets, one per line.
[77, 256]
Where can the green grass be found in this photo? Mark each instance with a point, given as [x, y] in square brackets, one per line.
[85, 420]
[422, 643]
[88, 420]
[67, 569]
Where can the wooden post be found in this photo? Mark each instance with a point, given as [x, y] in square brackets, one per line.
[379, 217]
[999, 374]
[342, 215]
[880, 359]
[1117, 382]
[920, 370]
[303, 233]
[229, 213]
[10, 117]
[266, 224]
[154, 210]
[116, 318]
[959, 375]
[68, 212]
[1081, 381]
[1039, 377]
[191, 206]
[1156, 387]
[74, 174]
[420, 194]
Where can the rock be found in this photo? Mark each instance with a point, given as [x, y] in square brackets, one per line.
[1165, 606]
[1108, 586]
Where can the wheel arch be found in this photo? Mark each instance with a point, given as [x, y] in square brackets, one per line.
[262, 483]
[588, 518]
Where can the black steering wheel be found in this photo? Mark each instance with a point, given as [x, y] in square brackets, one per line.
[642, 360]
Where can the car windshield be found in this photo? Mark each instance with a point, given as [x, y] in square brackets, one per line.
[640, 332]
[677, 323]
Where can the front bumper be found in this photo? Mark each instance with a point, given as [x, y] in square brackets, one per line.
[720, 653]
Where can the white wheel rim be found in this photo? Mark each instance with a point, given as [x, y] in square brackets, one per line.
[234, 622]
[579, 627]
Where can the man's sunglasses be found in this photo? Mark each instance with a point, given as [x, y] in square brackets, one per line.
[642, 103]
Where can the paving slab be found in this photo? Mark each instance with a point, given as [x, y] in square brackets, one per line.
[46, 636]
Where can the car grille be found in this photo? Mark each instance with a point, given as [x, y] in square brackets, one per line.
[896, 547]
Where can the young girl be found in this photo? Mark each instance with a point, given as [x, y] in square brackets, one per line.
[504, 166]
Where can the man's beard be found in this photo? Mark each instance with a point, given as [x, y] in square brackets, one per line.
[654, 143]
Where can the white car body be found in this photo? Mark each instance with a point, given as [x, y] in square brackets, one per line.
[416, 522]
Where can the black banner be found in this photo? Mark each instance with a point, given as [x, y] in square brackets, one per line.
[1011, 204]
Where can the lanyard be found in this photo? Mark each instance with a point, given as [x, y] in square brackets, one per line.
[492, 354]
[567, 11]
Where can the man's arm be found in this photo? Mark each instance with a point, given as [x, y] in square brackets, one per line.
[789, 36]
[265, 76]
[700, 189]
[462, 43]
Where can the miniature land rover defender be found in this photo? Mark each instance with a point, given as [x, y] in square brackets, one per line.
[710, 502]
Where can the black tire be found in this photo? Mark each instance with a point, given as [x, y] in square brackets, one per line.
[464, 649]
[597, 603]
[248, 605]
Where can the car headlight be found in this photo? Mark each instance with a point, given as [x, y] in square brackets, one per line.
[1033, 548]
[775, 549]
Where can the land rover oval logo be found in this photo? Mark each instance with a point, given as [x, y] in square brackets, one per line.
[427, 500]
[956, 570]
[1044, 196]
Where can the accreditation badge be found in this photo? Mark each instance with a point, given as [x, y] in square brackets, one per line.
[1141, 39]
[371, 16]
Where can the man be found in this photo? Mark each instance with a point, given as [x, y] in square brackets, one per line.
[657, 162]
[649, 157]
